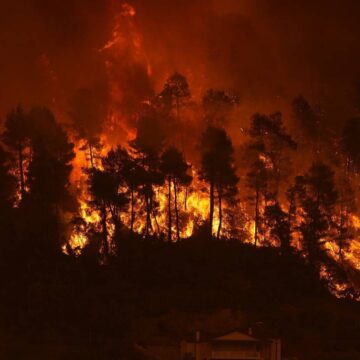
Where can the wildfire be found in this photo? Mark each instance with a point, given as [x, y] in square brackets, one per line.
[78, 179]
[119, 39]
[353, 254]
[193, 204]
[126, 42]
[267, 161]
[127, 10]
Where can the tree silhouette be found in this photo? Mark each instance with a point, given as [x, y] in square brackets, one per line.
[114, 165]
[268, 162]
[305, 117]
[128, 173]
[50, 165]
[175, 96]
[175, 93]
[101, 186]
[7, 182]
[270, 132]
[104, 188]
[9, 250]
[16, 136]
[317, 197]
[350, 144]
[345, 231]
[279, 223]
[257, 181]
[217, 169]
[147, 147]
[348, 159]
[41, 225]
[174, 168]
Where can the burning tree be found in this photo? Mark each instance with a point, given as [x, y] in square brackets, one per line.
[7, 182]
[269, 163]
[217, 169]
[175, 93]
[127, 171]
[279, 223]
[43, 159]
[17, 136]
[316, 196]
[257, 182]
[147, 147]
[350, 145]
[107, 198]
[175, 169]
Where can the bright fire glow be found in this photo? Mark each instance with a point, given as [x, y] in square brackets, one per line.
[193, 203]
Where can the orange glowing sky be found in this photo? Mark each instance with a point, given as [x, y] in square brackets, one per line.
[270, 51]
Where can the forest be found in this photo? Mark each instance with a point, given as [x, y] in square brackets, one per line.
[174, 167]
[168, 216]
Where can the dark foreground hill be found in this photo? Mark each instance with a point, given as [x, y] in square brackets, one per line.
[67, 308]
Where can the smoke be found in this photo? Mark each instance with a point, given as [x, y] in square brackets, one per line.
[269, 51]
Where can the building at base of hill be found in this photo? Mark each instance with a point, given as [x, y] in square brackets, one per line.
[232, 346]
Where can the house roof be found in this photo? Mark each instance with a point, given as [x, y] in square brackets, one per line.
[236, 336]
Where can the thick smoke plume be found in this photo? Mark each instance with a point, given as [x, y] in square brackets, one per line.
[269, 51]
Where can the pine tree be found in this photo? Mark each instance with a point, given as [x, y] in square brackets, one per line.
[269, 163]
[257, 182]
[128, 172]
[306, 118]
[218, 170]
[17, 136]
[317, 197]
[175, 93]
[41, 214]
[175, 170]
[280, 230]
[147, 147]
[7, 182]
[350, 145]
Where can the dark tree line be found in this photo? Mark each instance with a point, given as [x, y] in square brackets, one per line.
[35, 169]
[299, 210]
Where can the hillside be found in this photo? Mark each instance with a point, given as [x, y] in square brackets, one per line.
[66, 306]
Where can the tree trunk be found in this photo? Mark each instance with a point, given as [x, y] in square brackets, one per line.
[132, 218]
[21, 170]
[169, 209]
[176, 213]
[220, 214]
[156, 221]
[256, 216]
[148, 215]
[211, 215]
[115, 215]
[345, 225]
[104, 232]
[342, 232]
